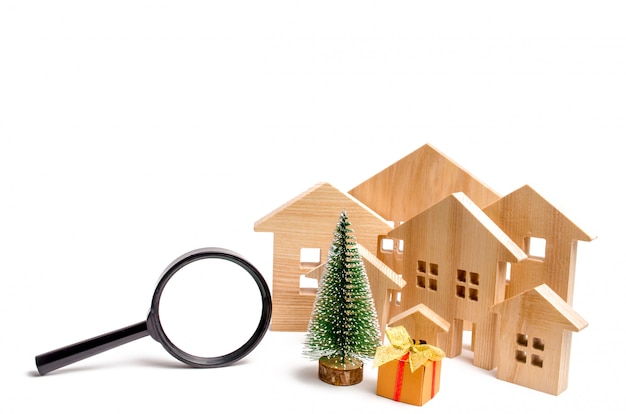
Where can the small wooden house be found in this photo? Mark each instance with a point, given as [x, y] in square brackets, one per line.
[454, 260]
[422, 323]
[535, 339]
[303, 232]
[546, 235]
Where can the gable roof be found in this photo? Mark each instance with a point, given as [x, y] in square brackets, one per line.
[528, 211]
[422, 315]
[312, 205]
[457, 209]
[541, 306]
[416, 182]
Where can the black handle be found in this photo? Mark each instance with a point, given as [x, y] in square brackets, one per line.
[73, 353]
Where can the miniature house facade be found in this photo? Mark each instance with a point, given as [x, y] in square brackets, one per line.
[546, 235]
[303, 231]
[422, 323]
[454, 262]
[535, 339]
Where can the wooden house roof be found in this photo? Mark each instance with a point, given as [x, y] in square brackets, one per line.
[416, 182]
[541, 306]
[456, 211]
[527, 211]
[422, 316]
[320, 203]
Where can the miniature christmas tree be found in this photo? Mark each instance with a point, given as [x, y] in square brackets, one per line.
[343, 328]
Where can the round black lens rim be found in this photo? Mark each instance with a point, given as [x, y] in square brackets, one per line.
[156, 329]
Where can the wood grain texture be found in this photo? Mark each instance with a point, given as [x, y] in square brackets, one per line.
[524, 215]
[452, 262]
[422, 323]
[334, 373]
[309, 221]
[535, 339]
[416, 182]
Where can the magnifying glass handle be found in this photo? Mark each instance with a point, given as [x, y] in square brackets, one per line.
[73, 353]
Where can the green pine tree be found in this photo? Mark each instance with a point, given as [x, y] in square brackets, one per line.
[343, 322]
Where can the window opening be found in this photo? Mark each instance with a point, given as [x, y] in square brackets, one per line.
[308, 285]
[523, 341]
[421, 266]
[467, 288]
[421, 281]
[426, 280]
[310, 256]
[398, 298]
[386, 245]
[535, 248]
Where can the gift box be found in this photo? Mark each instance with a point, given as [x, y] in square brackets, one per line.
[407, 372]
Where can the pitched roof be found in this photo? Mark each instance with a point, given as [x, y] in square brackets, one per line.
[542, 306]
[456, 208]
[417, 181]
[311, 205]
[526, 207]
[422, 313]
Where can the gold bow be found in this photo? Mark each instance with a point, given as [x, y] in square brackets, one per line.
[401, 343]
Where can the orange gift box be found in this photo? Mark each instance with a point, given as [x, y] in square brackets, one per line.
[407, 372]
[396, 381]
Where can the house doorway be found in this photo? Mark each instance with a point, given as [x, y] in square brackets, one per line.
[469, 329]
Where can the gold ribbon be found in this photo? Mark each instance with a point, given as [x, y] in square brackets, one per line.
[401, 343]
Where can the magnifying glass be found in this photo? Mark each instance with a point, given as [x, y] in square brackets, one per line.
[211, 307]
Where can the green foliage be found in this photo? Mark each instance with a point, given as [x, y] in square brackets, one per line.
[343, 322]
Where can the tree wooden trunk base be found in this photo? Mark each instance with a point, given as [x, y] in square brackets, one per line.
[332, 371]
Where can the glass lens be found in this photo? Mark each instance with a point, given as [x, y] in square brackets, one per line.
[210, 307]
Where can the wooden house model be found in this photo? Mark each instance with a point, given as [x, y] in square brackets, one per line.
[454, 261]
[413, 184]
[422, 323]
[447, 252]
[303, 231]
[546, 235]
[535, 339]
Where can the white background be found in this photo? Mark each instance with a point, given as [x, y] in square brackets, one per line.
[134, 131]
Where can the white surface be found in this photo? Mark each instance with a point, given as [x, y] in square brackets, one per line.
[132, 132]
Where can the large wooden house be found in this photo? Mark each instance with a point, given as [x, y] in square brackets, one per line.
[454, 261]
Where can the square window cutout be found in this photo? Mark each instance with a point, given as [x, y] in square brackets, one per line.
[310, 257]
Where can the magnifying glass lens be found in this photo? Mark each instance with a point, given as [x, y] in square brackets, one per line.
[210, 307]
